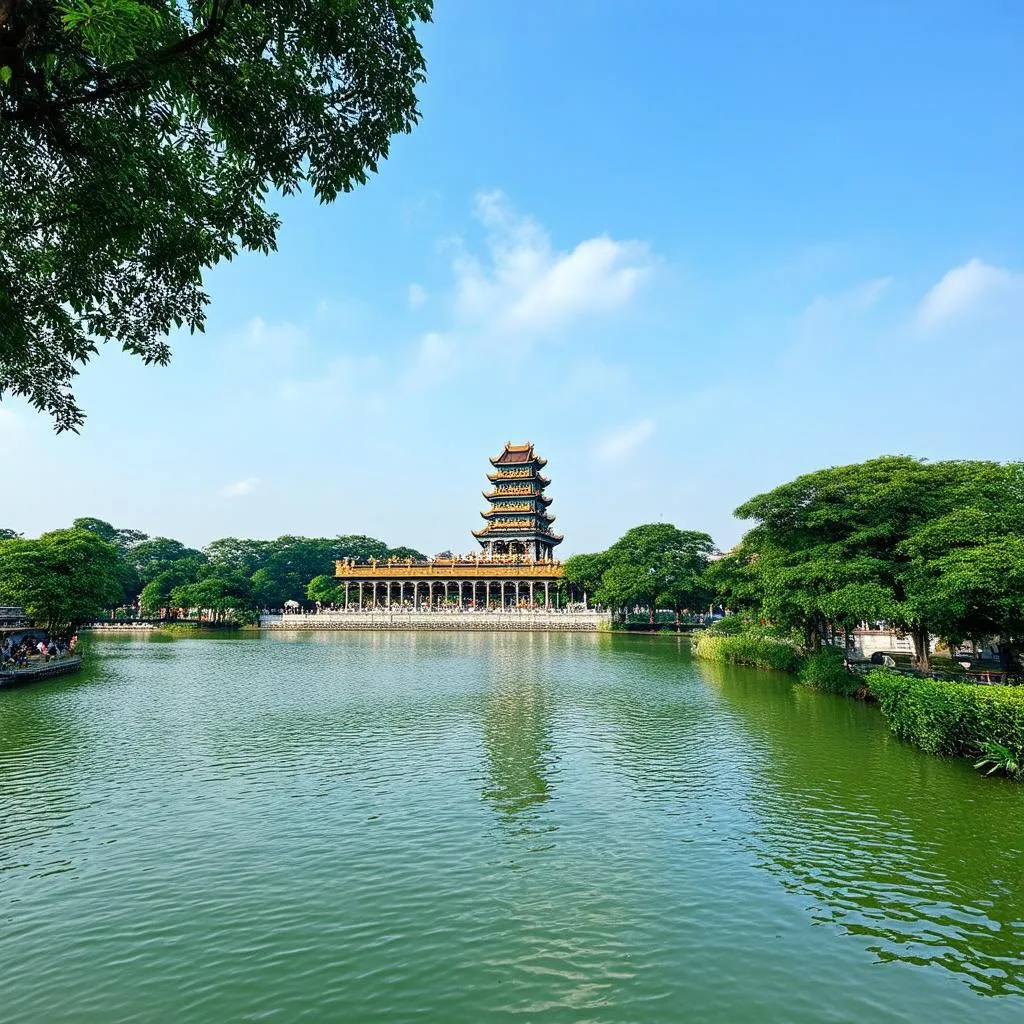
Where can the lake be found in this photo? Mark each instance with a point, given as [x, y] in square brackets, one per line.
[464, 827]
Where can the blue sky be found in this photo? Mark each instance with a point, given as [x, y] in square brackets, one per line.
[689, 250]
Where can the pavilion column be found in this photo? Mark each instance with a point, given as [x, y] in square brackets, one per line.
[360, 595]
[517, 594]
[531, 594]
[373, 607]
[547, 596]
[346, 595]
[584, 600]
[416, 596]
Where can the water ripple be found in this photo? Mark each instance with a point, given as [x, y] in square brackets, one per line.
[465, 827]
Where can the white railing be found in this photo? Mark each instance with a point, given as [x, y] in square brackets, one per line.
[510, 618]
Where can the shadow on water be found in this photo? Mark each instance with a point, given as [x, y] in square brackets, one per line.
[916, 856]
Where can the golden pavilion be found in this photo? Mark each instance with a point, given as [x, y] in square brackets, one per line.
[514, 569]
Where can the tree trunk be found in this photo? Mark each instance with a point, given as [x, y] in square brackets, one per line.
[922, 655]
[812, 637]
[1006, 659]
[650, 614]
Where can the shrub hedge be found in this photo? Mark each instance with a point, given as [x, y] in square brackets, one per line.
[960, 719]
[950, 718]
[752, 647]
[826, 671]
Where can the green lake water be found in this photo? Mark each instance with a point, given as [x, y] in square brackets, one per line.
[475, 827]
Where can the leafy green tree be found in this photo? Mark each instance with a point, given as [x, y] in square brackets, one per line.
[733, 580]
[153, 556]
[102, 529]
[625, 585]
[239, 554]
[166, 576]
[966, 570]
[663, 562]
[224, 592]
[584, 572]
[401, 553]
[140, 140]
[124, 541]
[63, 579]
[833, 547]
[325, 590]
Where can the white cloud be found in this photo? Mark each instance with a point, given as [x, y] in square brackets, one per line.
[829, 324]
[241, 488]
[345, 381]
[280, 340]
[859, 299]
[436, 357]
[417, 295]
[976, 287]
[621, 443]
[525, 287]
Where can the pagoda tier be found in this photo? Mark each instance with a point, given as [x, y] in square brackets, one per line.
[506, 491]
[518, 474]
[518, 523]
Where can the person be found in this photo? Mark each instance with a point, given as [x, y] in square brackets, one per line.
[41, 648]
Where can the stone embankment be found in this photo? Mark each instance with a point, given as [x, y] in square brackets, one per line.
[519, 621]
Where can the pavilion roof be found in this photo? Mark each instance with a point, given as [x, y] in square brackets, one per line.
[518, 454]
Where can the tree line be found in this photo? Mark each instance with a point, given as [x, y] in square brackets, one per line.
[932, 549]
[66, 577]
[653, 566]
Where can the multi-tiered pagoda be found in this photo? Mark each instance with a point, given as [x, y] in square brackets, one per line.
[518, 522]
[515, 570]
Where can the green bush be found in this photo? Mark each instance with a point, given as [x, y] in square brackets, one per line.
[752, 647]
[960, 719]
[731, 625]
[826, 671]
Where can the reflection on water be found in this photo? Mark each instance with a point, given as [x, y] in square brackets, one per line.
[889, 844]
[517, 739]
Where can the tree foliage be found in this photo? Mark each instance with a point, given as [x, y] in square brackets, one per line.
[139, 141]
[932, 548]
[651, 566]
[64, 578]
[232, 577]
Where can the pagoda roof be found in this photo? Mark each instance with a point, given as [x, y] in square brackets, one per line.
[492, 529]
[517, 455]
[541, 517]
[495, 477]
[506, 496]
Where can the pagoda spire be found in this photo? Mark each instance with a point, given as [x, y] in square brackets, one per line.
[518, 522]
